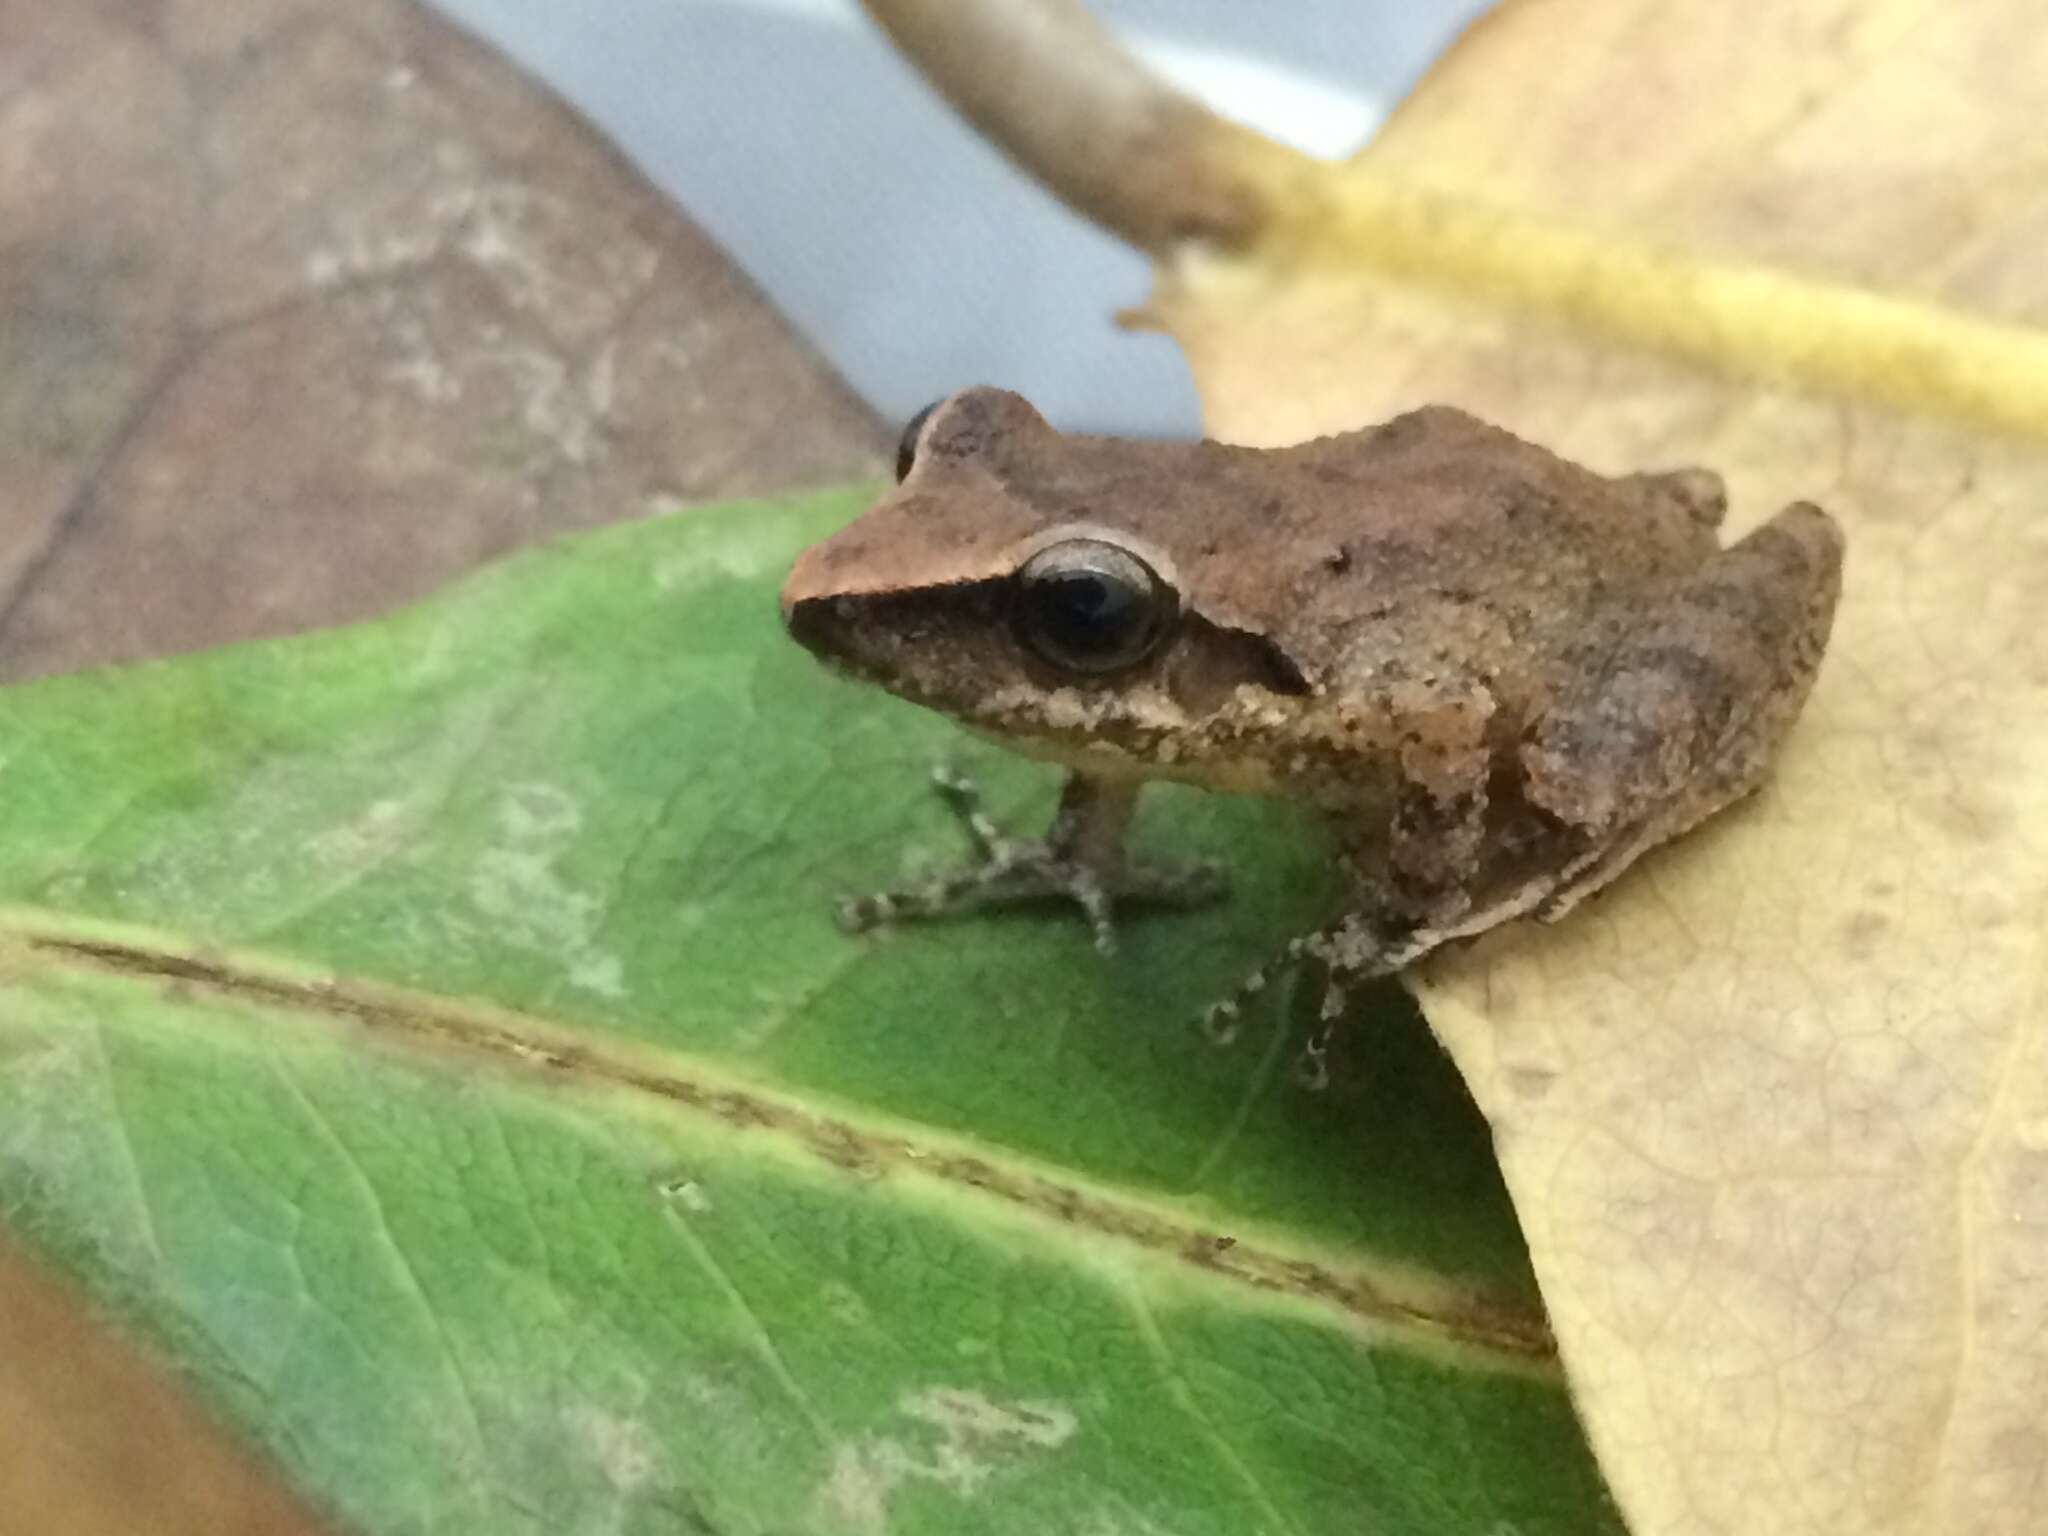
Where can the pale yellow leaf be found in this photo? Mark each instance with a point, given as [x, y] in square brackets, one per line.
[1774, 1110]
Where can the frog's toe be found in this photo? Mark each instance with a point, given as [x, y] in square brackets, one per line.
[857, 914]
[1175, 885]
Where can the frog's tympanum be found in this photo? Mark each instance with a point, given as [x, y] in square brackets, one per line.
[1498, 676]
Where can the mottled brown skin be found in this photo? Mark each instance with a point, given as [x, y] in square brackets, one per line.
[1500, 676]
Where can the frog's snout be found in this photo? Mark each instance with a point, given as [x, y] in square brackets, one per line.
[810, 608]
[803, 584]
[810, 625]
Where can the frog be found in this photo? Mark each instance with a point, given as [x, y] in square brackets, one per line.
[1498, 677]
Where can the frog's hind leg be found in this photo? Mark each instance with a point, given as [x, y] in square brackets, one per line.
[1679, 718]
[1684, 713]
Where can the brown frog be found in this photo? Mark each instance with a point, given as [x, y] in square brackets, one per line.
[1500, 677]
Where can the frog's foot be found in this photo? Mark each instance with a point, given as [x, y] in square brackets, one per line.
[1356, 948]
[1369, 942]
[1080, 860]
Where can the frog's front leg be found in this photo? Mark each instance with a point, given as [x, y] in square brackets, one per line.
[1411, 884]
[1412, 872]
[1378, 934]
[1082, 859]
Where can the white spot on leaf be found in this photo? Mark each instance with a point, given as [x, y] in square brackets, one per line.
[959, 1440]
[531, 907]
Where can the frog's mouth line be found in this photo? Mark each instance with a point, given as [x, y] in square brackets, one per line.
[1094, 760]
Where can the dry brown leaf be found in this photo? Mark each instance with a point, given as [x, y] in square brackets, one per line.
[95, 1442]
[334, 306]
[1775, 1111]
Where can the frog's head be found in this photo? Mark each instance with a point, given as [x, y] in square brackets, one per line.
[1059, 593]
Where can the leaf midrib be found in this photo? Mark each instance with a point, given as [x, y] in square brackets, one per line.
[1741, 319]
[1379, 1301]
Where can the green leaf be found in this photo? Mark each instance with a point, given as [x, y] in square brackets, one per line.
[433, 1037]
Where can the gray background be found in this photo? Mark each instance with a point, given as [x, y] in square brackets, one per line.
[908, 250]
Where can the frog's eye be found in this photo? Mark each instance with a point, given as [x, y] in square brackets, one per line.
[1087, 606]
[906, 446]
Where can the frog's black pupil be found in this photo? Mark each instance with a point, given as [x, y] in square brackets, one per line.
[1091, 616]
[1086, 606]
[906, 447]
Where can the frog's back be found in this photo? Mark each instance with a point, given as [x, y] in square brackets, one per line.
[1437, 543]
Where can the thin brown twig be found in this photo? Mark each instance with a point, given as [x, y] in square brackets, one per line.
[1047, 84]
